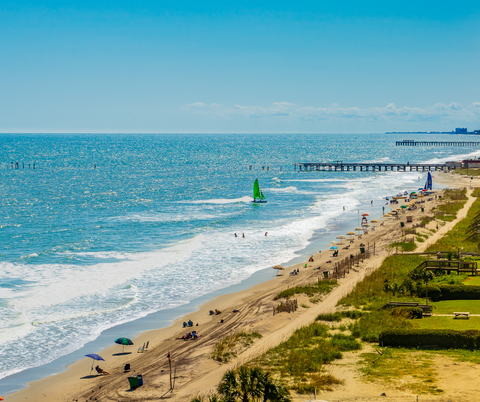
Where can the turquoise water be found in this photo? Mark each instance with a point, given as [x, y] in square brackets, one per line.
[110, 228]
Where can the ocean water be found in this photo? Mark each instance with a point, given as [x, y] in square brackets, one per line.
[110, 228]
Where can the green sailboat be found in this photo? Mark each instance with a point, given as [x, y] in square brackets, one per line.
[258, 196]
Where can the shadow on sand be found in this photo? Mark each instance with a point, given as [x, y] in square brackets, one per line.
[90, 376]
[122, 354]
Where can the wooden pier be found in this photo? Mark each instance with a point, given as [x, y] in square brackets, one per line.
[340, 166]
[412, 143]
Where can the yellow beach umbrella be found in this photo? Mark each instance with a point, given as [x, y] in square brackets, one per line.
[340, 237]
[374, 221]
[351, 233]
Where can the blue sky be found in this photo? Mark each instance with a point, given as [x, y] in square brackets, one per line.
[181, 66]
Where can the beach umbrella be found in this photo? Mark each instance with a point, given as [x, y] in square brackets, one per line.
[403, 206]
[413, 192]
[123, 342]
[373, 221]
[358, 229]
[94, 357]
[350, 233]
[1, 399]
[365, 215]
[333, 248]
[340, 237]
[279, 267]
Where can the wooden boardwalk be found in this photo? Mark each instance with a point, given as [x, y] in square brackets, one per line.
[413, 143]
[369, 167]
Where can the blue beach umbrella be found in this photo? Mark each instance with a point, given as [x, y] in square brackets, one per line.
[123, 342]
[333, 248]
[94, 357]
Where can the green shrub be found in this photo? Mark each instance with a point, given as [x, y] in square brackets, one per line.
[320, 287]
[332, 317]
[369, 327]
[459, 292]
[345, 343]
[442, 338]
[409, 312]
[404, 246]
[434, 292]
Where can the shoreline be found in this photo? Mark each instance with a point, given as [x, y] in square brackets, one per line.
[72, 380]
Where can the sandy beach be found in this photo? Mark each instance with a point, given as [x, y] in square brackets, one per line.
[197, 373]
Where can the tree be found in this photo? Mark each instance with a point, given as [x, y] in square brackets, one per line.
[251, 384]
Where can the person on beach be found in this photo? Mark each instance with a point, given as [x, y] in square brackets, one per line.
[235, 235]
[266, 233]
[101, 371]
[243, 235]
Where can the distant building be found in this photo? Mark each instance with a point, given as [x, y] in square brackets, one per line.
[459, 130]
[453, 164]
[471, 163]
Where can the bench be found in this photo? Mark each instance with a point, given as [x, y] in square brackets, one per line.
[459, 314]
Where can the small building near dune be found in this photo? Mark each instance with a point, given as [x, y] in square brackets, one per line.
[471, 163]
[454, 164]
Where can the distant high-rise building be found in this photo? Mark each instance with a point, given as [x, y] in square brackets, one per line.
[459, 130]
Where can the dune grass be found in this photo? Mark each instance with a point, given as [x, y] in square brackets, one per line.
[300, 360]
[403, 246]
[312, 290]
[468, 172]
[371, 294]
[228, 347]
[402, 369]
[456, 238]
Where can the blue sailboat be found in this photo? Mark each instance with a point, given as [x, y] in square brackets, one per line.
[428, 184]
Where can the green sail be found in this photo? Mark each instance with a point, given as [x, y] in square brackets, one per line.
[256, 190]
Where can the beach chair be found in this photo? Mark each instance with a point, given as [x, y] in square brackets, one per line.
[146, 346]
[141, 349]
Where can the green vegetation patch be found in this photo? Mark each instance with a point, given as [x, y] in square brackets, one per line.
[448, 322]
[229, 346]
[372, 292]
[340, 315]
[449, 306]
[316, 289]
[301, 358]
[469, 172]
[403, 246]
[401, 369]
[371, 325]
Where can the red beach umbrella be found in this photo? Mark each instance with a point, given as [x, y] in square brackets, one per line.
[364, 214]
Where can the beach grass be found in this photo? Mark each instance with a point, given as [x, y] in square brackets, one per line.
[313, 290]
[403, 246]
[300, 360]
[467, 172]
[457, 238]
[229, 346]
[370, 293]
[401, 368]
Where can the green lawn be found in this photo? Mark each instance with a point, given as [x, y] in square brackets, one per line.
[448, 323]
[472, 280]
[449, 306]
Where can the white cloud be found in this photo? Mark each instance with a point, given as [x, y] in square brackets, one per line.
[454, 112]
